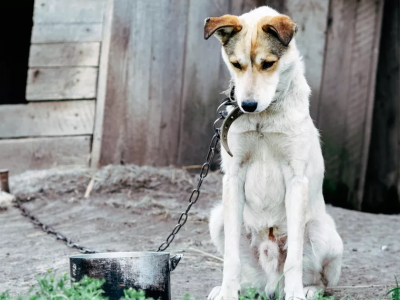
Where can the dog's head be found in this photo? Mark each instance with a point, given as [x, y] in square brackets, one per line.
[254, 47]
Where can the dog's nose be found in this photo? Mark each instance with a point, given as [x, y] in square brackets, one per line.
[249, 105]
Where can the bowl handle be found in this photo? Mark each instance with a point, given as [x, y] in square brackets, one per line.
[174, 261]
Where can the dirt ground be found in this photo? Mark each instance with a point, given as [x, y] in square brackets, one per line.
[133, 209]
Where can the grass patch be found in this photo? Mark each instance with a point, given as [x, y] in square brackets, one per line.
[395, 293]
[51, 287]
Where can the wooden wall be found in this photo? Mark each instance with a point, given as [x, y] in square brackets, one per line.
[347, 96]
[56, 126]
[164, 80]
[312, 18]
[382, 184]
[132, 81]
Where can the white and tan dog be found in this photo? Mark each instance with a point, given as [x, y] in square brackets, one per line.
[271, 227]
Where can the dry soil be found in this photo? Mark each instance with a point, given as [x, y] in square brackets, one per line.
[133, 209]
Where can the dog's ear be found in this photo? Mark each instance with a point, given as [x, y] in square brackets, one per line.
[282, 27]
[222, 27]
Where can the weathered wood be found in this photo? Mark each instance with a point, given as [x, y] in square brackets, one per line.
[64, 55]
[345, 97]
[239, 7]
[47, 119]
[102, 85]
[370, 101]
[61, 83]
[334, 90]
[312, 18]
[19, 155]
[362, 79]
[382, 180]
[68, 11]
[144, 82]
[64, 33]
[202, 85]
[167, 91]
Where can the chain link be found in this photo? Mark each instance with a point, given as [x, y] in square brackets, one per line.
[49, 230]
[194, 196]
[203, 172]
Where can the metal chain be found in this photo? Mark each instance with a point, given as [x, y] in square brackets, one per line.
[49, 230]
[194, 196]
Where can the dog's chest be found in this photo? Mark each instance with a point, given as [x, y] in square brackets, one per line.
[260, 151]
[264, 195]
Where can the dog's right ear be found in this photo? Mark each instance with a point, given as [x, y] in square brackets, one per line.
[282, 27]
[222, 27]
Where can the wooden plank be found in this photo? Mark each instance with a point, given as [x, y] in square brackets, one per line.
[311, 17]
[144, 82]
[102, 85]
[61, 83]
[114, 129]
[170, 92]
[68, 11]
[64, 55]
[383, 174]
[64, 33]
[334, 91]
[19, 155]
[238, 7]
[202, 87]
[145, 67]
[47, 119]
[347, 98]
[366, 33]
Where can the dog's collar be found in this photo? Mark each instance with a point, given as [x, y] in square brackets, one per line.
[230, 118]
[234, 114]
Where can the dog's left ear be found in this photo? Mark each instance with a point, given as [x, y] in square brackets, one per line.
[282, 27]
[222, 27]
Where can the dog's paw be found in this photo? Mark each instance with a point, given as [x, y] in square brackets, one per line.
[214, 293]
[227, 292]
[311, 291]
[294, 294]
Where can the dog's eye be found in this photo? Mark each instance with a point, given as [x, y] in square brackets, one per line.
[267, 64]
[237, 65]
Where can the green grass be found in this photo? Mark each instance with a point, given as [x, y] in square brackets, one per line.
[252, 294]
[394, 294]
[51, 287]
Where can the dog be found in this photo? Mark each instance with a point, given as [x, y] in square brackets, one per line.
[271, 227]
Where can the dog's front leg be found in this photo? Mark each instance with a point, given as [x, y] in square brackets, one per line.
[233, 201]
[296, 200]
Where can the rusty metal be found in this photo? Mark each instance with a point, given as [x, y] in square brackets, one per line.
[147, 271]
[194, 196]
[4, 186]
[47, 229]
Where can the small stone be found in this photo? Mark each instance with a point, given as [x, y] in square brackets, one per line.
[6, 200]
[384, 248]
[72, 200]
